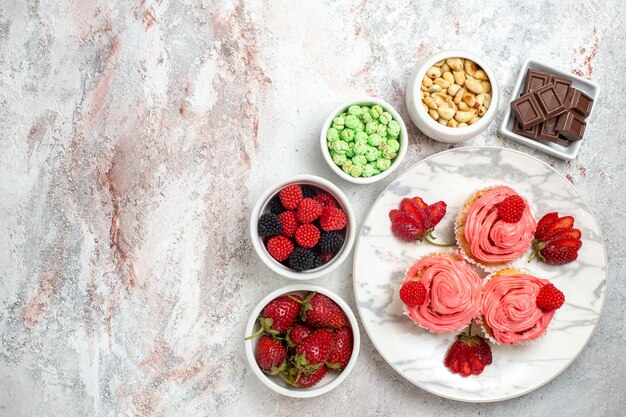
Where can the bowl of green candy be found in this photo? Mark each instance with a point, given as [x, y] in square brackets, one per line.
[364, 140]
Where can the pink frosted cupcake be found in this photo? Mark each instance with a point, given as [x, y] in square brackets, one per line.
[485, 237]
[517, 307]
[441, 293]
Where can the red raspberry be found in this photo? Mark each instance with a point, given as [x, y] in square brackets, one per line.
[307, 235]
[333, 218]
[289, 222]
[290, 196]
[326, 257]
[279, 247]
[550, 298]
[413, 293]
[326, 200]
[308, 210]
[511, 209]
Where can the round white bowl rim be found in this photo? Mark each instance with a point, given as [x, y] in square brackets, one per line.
[404, 139]
[451, 131]
[275, 265]
[297, 392]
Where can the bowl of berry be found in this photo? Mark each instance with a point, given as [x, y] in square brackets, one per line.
[302, 227]
[302, 340]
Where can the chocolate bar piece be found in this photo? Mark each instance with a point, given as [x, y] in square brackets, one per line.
[535, 79]
[547, 131]
[530, 133]
[549, 101]
[579, 102]
[562, 86]
[571, 125]
[527, 111]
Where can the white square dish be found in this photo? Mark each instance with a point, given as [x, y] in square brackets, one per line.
[506, 129]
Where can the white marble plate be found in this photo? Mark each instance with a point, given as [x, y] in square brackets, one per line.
[380, 261]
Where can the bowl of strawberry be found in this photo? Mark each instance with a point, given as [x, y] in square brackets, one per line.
[302, 227]
[302, 340]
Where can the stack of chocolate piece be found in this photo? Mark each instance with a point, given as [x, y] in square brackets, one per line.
[550, 109]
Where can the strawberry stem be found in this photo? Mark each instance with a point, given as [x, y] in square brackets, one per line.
[428, 236]
[252, 336]
[469, 329]
[295, 299]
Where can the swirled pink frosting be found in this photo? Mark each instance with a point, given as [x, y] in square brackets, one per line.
[491, 239]
[452, 293]
[510, 309]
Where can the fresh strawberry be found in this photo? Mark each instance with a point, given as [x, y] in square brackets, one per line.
[468, 355]
[556, 240]
[326, 200]
[333, 218]
[307, 235]
[279, 247]
[290, 196]
[405, 227]
[308, 210]
[413, 293]
[298, 379]
[296, 334]
[290, 223]
[415, 220]
[320, 311]
[511, 209]
[550, 298]
[279, 315]
[270, 355]
[341, 351]
[313, 351]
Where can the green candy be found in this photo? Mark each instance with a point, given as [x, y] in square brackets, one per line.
[371, 127]
[350, 151]
[376, 111]
[360, 137]
[346, 166]
[382, 130]
[355, 110]
[359, 160]
[389, 153]
[371, 153]
[347, 135]
[382, 145]
[368, 170]
[360, 127]
[373, 166]
[338, 123]
[340, 146]
[364, 110]
[383, 164]
[393, 144]
[385, 118]
[360, 148]
[338, 158]
[366, 116]
[351, 121]
[332, 134]
[356, 170]
[374, 139]
[393, 128]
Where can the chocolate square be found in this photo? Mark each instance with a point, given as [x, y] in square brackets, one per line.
[549, 101]
[581, 103]
[562, 86]
[535, 79]
[547, 131]
[530, 133]
[527, 111]
[571, 125]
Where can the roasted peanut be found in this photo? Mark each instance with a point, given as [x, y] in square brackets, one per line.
[452, 123]
[469, 99]
[434, 88]
[481, 75]
[425, 107]
[480, 99]
[447, 75]
[463, 116]
[487, 102]
[445, 67]
[463, 106]
[486, 86]
[439, 63]
[459, 77]
[462, 125]
[453, 89]
[442, 121]
[474, 86]
[441, 82]
[473, 120]
[470, 67]
[433, 114]
[482, 110]
[427, 82]
[433, 72]
[455, 63]
[445, 112]
[430, 103]
[459, 95]
[438, 100]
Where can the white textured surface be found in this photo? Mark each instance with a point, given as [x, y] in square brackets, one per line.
[136, 137]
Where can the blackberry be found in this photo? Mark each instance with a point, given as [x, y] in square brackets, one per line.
[317, 260]
[276, 206]
[269, 225]
[308, 191]
[330, 242]
[302, 259]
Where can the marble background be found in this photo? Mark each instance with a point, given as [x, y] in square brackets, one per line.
[135, 137]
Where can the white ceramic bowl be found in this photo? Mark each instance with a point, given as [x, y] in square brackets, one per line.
[586, 86]
[262, 206]
[432, 128]
[403, 139]
[332, 379]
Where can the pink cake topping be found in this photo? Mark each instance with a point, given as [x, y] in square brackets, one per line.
[491, 239]
[452, 293]
[510, 309]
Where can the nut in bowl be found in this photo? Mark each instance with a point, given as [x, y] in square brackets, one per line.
[452, 96]
[302, 340]
[364, 140]
[302, 227]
